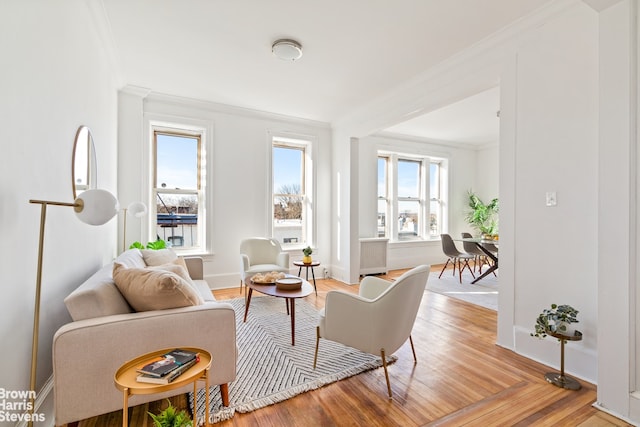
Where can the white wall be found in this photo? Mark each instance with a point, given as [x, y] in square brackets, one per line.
[240, 171]
[55, 77]
[556, 149]
[486, 182]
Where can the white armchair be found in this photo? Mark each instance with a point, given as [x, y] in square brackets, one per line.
[261, 255]
[379, 319]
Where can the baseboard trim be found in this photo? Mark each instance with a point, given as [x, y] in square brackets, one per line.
[599, 407]
[43, 405]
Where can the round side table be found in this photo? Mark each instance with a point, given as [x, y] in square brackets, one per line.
[125, 380]
[308, 266]
[560, 379]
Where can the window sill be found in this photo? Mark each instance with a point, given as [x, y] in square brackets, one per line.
[411, 243]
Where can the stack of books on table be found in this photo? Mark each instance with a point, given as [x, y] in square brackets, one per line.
[166, 368]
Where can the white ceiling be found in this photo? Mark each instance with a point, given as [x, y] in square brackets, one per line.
[354, 52]
[473, 120]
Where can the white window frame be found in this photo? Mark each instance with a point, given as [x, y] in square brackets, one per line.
[189, 130]
[424, 199]
[304, 143]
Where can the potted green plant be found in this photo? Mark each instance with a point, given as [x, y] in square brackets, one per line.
[557, 319]
[307, 255]
[171, 417]
[158, 244]
[481, 216]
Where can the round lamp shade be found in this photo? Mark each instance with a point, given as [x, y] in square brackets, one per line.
[96, 207]
[137, 209]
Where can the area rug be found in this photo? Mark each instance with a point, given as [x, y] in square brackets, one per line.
[483, 293]
[270, 369]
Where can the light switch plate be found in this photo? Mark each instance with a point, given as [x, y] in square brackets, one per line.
[551, 198]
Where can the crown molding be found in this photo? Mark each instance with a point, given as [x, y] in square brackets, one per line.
[424, 140]
[600, 5]
[139, 91]
[213, 107]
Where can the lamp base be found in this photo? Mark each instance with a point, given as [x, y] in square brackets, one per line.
[563, 381]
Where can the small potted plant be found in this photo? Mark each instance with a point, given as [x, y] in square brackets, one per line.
[307, 255]
[557, 320]
[171, 417]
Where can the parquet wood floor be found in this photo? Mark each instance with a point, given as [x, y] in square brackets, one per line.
[461, 379]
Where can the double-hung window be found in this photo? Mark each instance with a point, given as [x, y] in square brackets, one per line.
[410, 197]
[291, 183]
[410, 200]
[177, 209]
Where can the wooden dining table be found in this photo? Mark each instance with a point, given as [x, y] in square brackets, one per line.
[482, 245]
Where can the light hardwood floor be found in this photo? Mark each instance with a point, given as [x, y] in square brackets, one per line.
[461, 379]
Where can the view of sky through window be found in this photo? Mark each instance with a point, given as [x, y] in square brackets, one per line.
[287, 168]
[408, 178]
[177, 160]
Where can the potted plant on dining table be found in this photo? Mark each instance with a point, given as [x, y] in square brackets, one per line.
[483, 217]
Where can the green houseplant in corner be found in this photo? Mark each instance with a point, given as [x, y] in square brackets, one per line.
[482, 217]
[557, 320]
[171, 417]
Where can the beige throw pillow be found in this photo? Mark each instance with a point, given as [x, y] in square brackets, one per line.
[179, 267]
[154, 289]
[158, 257]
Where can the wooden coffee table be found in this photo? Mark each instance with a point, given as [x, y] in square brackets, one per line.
[289, 296]
[125, 380]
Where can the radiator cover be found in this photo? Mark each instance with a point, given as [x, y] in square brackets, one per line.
[373, 256]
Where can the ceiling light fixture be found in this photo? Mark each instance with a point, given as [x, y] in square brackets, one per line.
[287, 49]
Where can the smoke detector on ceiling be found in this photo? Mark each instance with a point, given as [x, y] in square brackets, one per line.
[287, 49]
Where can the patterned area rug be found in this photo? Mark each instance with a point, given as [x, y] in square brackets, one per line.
[483, 293]
[270, 369]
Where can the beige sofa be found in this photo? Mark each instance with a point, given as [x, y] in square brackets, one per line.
[106, 332]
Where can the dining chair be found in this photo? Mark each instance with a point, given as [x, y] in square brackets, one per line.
[480, 258]
[455, 256]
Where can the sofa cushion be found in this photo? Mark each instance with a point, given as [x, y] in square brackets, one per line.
[154, 289]
[96, 297]
[204, 290]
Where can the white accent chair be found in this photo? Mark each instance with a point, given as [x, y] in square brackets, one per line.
[379, 319]
[261, 255]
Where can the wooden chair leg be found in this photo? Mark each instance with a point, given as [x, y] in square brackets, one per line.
[315, 356]
[224, 393]
[413, 349]
[386, 373]
[468, 267]
[443, 268]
